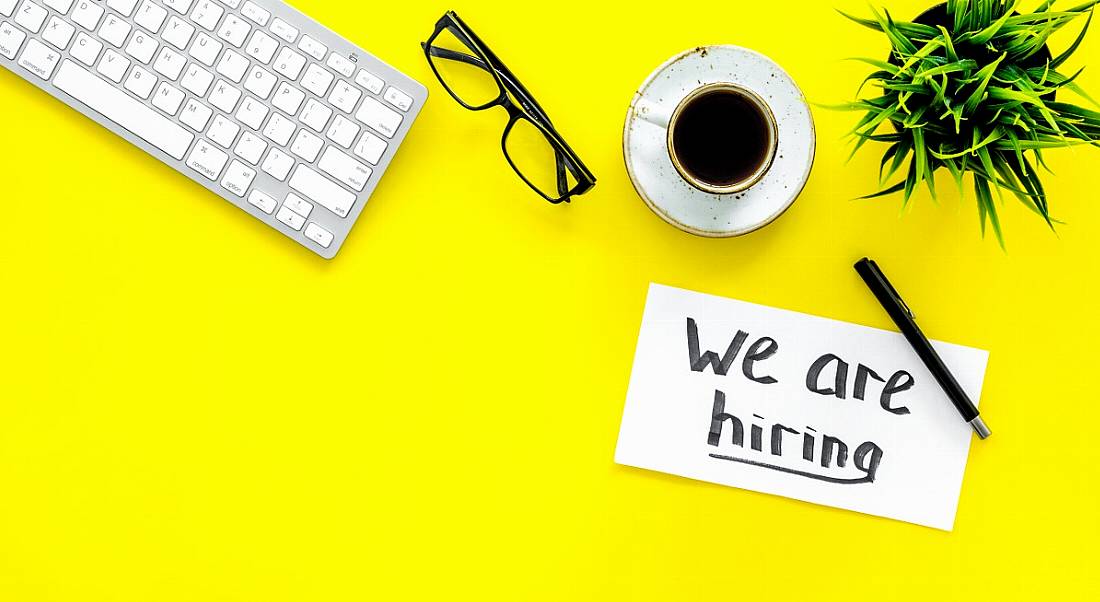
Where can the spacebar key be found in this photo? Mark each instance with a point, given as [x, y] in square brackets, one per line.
[116, 106]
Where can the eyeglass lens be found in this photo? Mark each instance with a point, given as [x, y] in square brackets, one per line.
[462, 71]
[535, 158]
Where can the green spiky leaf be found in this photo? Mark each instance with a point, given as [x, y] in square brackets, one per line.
[975, 93]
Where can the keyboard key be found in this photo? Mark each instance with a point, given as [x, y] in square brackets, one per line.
[178, 33]
[278, 164]
[250, 148]
[197, 80]
[142, 47]
[115, 30]
[291, 219]
[345, 96]
[150, 16]
[123, 7]
[180, 6]
[58, 32]
[313, 48]
[284, 30]
[227, 88]
[252, 113]
[61, 6]
[207, 14]
[238, 178]
[168, 98]
[341, 65]
[170, 63]
[196, 115]
[381, 119]
[370, 148]
[288, 99]
[233, 66]
[279, 129]
[398, 99]
[317, 80]
[255, 14]
[315, 115]
[262, 201]
[290, 64]
[370, 81]
[234, 30]
[322, 191]
[116, 106]
[261, 47]
[298, 205]
[223, 131]
[11, 40]
[87, 14]
[346, 170]
[206, 49]
[31, 16]
[343, 131]
[141, 82]
[260, 82]
[86, 49]
[39, 59]
[225, 96]
[319, 235]
[307, 146]
[207, 160]
[113, 66]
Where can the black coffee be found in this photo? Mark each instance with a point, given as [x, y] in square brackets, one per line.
[722, 138]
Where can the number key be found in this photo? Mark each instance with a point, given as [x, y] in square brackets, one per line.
[290, 64]
[317, 80]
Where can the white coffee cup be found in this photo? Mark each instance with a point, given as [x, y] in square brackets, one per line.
[676, 193]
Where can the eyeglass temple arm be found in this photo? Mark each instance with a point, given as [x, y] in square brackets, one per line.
[467, 35]
[506, 76]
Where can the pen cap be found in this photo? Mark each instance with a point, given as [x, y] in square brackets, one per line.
[883, 290]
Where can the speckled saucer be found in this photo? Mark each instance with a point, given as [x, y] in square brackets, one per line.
[661, 186]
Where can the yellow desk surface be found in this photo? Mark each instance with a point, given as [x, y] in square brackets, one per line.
[194, 408]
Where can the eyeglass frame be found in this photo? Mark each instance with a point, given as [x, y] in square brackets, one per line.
[524, 107]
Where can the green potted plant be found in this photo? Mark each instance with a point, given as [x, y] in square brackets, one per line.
[971, 88]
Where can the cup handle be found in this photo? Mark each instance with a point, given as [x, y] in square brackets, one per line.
[652, 112]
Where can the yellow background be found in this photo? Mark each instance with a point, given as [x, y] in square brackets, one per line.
[194, 408]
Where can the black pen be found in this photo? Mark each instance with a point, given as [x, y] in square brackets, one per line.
[903, 317]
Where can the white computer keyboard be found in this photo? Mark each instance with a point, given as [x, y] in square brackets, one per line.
[250, 98]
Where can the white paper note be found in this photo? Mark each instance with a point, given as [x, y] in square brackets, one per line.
[796, 405]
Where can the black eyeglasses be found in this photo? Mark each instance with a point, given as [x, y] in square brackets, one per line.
[478, 80]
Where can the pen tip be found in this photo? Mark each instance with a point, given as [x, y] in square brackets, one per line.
[980, 428]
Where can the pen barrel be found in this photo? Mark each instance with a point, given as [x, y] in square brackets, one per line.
[902, 317]
[938, 369]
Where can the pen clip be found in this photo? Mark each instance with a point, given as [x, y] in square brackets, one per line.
[894, 292]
